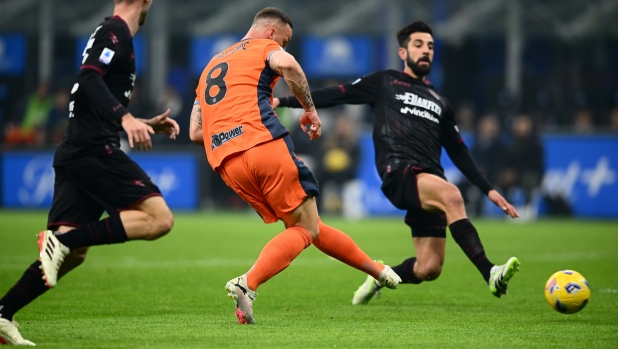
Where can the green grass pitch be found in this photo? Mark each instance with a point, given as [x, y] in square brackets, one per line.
[169, 293]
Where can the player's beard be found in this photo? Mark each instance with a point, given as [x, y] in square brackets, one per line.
[420, 71]
[142, 17]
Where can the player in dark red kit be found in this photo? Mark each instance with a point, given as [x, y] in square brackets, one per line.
[411, 122]
[92, 174]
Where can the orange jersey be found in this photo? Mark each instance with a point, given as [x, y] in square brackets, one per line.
[235, 96]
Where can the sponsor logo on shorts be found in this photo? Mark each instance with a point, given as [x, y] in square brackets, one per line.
[223, 137]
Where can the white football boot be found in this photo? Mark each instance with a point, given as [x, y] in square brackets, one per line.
[243, 297]
[389, 278]
[371, 287]
[10, 334]
[51, 255]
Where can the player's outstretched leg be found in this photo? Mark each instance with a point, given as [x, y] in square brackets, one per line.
[339, 245]
[496, 276]
[9, 334]
[31, 285]
[149, 220]
[436, 193]
[500, 276]
[468, 239]
[277, 255]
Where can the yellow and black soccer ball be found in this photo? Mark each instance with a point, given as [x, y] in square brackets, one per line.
[567, 291]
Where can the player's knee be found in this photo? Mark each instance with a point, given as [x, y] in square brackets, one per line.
[310, 227]
[166, 223]
[433, 272]
[314, 230]
[453, 198]
[429, 271]
[163, 223]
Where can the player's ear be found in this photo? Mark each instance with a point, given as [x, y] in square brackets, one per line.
[403, 53]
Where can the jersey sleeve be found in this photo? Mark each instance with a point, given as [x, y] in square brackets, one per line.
[269, 49]
[105, 48]
[459, 153]
[362, 91]
[450, 132]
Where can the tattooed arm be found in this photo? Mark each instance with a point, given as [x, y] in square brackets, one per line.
[195, 127]
[285, 65]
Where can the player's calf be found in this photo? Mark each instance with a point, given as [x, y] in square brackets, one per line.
[73, 260]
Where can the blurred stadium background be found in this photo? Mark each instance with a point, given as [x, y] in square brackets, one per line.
[534, 85]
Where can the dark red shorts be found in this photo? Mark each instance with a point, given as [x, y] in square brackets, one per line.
[399, 185]
[85, 189]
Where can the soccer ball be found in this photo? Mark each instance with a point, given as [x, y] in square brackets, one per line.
[567, 291]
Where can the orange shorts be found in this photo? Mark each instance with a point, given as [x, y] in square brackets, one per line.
[270, 178]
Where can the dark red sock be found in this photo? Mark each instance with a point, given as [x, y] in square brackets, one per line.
[405, 270]
[28, 288]
[104, 232]
[468, 239]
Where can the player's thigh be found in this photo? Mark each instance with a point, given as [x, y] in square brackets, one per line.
[71, 206]
[284, 180]
[435, 192]
[399, 185]
[154, 206]
[113, 180]
[237, 176]
[426, 224]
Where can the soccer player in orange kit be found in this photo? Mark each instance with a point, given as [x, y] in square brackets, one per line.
[247, 145]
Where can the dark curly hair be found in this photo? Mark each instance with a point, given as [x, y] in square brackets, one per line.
[403, 36]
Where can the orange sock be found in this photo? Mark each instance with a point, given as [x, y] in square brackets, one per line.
[339, 245]
[277, 255]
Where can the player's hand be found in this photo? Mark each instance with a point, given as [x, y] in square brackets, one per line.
[275, 102]
[164, 124]
[138, 132]
[501, 202]
[311, 118]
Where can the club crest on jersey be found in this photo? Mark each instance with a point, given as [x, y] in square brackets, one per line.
[106, 56]
[113, 38]
[219, 138]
